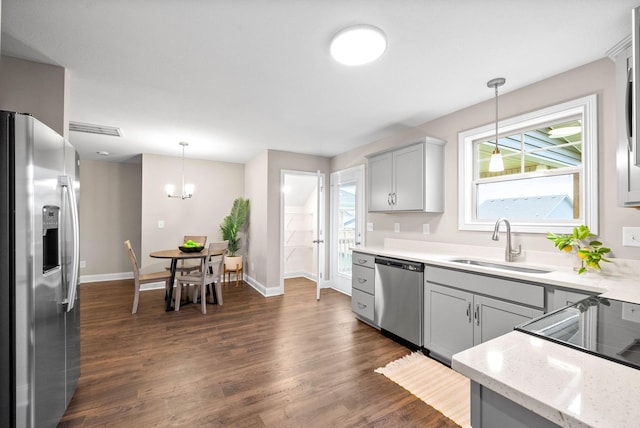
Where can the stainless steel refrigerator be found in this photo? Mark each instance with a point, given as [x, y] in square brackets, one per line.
[39, 258]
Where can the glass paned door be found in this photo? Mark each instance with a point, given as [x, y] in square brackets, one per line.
[347, 222]
[346, 226]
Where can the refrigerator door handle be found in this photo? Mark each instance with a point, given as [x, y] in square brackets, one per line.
[65, 181]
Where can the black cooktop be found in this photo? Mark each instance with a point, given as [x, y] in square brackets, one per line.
[607, 328]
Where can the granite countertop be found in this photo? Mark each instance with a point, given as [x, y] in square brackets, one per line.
[567, 386]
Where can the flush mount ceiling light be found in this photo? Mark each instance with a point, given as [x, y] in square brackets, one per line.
[496, 164]
[187, 189]
[358, 45]
[567, 131]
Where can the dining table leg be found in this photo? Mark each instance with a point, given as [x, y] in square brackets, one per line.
[169, 294]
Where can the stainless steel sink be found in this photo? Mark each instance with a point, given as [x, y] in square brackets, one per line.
[499, 266]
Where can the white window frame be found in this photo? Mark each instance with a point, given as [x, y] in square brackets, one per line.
[587, 107]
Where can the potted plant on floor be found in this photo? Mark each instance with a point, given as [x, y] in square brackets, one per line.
[230, 227]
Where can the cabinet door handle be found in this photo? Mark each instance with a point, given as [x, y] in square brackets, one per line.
[362, 280]
[394, 199]
[476, 314]
[469, 311]
[362, 261]
[389, 199]
[628, 116]
[361, 305]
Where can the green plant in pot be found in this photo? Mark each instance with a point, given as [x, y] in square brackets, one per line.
[590, 252]
[230, 227]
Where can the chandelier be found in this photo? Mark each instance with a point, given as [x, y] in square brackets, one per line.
[187, 189]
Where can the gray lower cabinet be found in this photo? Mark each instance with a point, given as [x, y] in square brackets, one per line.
[490, 410]
[561, 298]
[447, 319]
[362, 286]
[456, 319]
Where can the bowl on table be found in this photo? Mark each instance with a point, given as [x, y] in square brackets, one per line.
[191, 249]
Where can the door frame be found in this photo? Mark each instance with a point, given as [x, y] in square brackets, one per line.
[321, 282]
[357, 174]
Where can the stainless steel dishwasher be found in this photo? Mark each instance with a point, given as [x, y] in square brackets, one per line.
[398, 298]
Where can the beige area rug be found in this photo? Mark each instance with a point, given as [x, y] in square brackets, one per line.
[444, 389]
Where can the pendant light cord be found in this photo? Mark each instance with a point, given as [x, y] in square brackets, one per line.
[497, 149]
[184, 144]
[495, 83]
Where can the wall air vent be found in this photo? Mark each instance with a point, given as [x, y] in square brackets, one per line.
[95, 129]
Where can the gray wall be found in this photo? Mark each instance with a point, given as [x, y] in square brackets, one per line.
[263, 189]
[217, 185]
[110, 213]
[39, 89]
[597, 77]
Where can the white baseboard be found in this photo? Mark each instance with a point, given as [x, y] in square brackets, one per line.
[84, 279]
[260, 288]
[299, 274]
[105, 277]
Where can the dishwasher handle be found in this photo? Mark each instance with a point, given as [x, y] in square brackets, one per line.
[400, 264]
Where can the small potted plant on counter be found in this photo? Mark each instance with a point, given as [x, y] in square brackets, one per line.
[590, 253]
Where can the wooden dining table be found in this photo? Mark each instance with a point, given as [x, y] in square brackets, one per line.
[175, 255]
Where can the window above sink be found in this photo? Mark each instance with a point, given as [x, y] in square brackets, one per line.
[550, 176]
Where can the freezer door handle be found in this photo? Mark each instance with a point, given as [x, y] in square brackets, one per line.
[66, 183]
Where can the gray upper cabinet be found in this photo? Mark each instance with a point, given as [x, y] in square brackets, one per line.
[628, 172]
[380, 182]
[410, 178]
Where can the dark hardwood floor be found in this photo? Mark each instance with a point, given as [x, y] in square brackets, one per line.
[285, 361]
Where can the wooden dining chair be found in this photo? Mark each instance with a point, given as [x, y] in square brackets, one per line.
[144, 278]
[210, 274]
[186, 266]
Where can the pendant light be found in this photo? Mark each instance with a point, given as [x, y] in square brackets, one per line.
[187, 189]
[496, 164]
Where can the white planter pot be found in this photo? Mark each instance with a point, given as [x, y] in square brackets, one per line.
[232, 263]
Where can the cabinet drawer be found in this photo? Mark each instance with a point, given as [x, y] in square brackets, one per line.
[362, 278]
[363, 259]
[362, 304]
[506, 289]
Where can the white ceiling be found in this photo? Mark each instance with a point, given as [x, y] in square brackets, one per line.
[234, 78]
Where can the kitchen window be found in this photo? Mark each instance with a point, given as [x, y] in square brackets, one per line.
[550, 172]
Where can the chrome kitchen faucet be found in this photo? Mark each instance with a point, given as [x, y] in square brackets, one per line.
[509, 253]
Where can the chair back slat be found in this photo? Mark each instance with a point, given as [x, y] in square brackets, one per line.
[213, 263]
[132, 258]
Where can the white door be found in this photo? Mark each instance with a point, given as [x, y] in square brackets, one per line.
[347, 223]
[319, 239]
